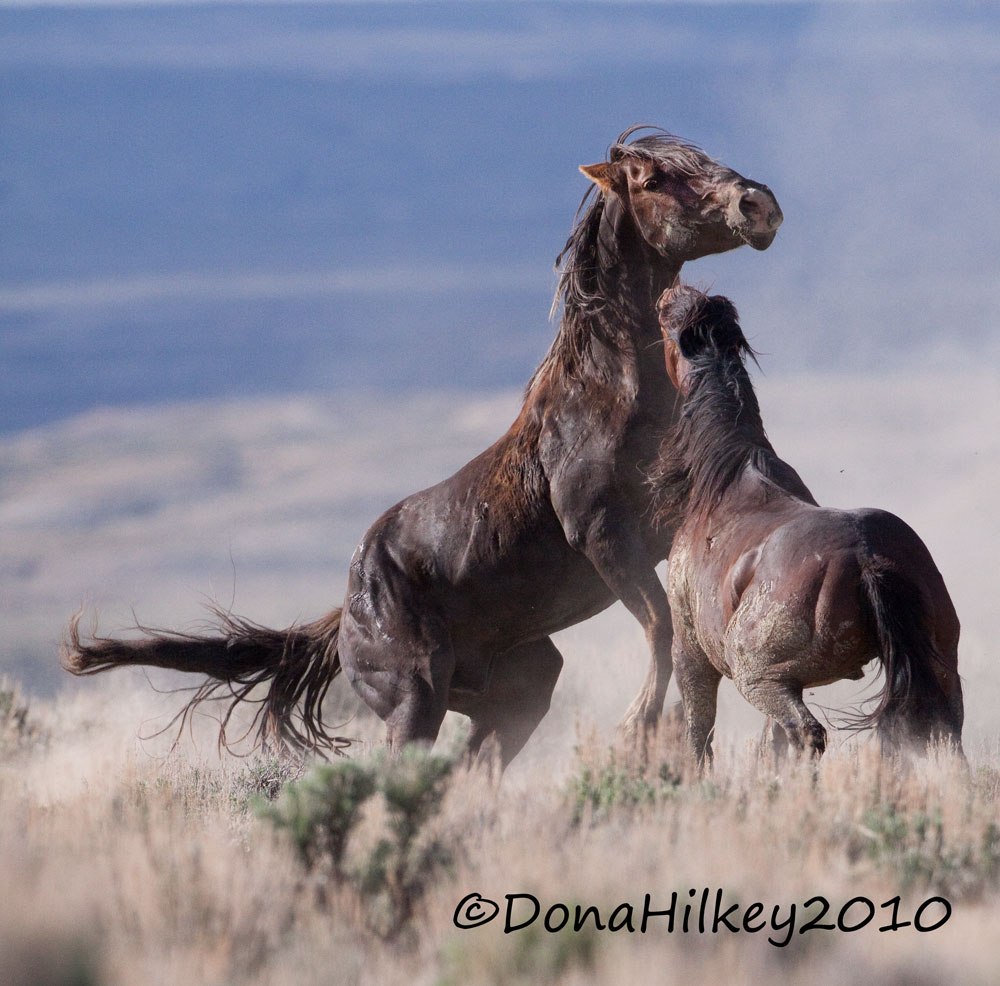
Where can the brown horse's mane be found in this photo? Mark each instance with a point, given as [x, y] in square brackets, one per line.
[720, 431]
[590, 293]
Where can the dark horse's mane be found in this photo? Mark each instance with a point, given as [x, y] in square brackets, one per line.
[589, 293]
[720, 430]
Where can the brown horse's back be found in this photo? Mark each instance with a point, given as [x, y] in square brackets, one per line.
[806, 596]
[785, 596]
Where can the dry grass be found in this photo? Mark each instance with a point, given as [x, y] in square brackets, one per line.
[126, 865]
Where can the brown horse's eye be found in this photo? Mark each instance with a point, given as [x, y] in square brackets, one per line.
[650, 183]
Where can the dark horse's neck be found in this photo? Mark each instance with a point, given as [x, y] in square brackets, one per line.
[608, 288]
[719, 434]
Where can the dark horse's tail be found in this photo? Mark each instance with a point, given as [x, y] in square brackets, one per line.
[297, 664]
[922, 696]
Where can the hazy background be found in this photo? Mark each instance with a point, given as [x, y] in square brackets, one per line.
[266, 268]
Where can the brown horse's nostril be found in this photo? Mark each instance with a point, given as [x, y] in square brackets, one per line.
[760, 207]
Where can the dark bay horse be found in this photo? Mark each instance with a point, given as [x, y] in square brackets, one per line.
[772, 590]
[453, 593]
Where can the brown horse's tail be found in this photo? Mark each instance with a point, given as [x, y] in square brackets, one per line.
[297, 664]
[922, 696]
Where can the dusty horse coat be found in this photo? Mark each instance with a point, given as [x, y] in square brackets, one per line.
[768, 588]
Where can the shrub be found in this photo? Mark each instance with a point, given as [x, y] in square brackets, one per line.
[320, 811]
[599, 789]
[916, 847]
[17, 729]
[395, 873]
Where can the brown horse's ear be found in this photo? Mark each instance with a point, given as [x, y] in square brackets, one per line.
[602, 175]
[671, 355]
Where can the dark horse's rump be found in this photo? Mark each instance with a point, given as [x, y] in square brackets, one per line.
[772, 590]
[453, 592]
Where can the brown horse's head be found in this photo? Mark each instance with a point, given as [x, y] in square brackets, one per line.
[697, 328]
[684, 204]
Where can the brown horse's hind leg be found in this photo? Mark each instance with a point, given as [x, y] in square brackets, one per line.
[783, 702]
[515, 702]
[774, 741]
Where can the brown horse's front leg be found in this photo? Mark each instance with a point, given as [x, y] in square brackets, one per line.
[699, 684]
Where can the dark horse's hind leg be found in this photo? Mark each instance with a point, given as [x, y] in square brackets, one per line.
[515, 702]
[405, 677]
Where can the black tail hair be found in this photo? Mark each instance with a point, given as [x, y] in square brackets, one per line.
[298, 663]
[913, 704]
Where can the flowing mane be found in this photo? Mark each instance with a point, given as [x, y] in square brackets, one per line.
[589, 297]
[720, 431]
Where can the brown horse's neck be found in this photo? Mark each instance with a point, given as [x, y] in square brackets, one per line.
[635, 276]
[720, 433]
[722, 407]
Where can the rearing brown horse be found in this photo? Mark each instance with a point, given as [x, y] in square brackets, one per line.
[773, 591]
[453, 593]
